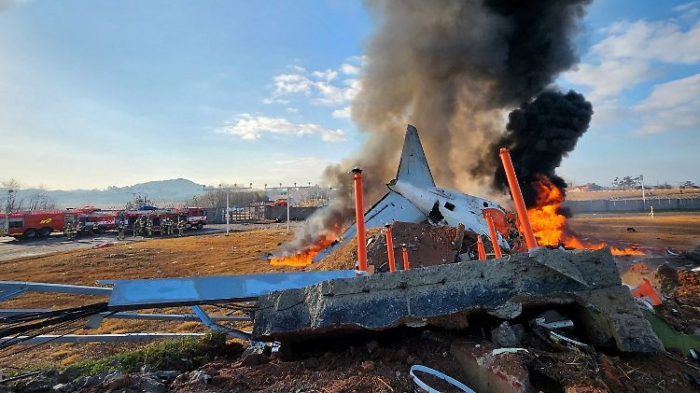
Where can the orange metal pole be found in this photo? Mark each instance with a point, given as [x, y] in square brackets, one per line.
[480, 248]
[406, 265]
[494, 236]
[360, 221]
[517, 195]
[390, 248]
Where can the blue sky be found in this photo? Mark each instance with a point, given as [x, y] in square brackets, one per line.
[99, 93]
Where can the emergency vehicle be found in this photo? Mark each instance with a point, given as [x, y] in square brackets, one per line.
[39, 223]
[196, 217]
[34, 224]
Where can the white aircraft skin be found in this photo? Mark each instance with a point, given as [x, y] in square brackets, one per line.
[413, 197]
[467, 209]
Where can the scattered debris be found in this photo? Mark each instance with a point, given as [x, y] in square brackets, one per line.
[437, 374]
[506, 336]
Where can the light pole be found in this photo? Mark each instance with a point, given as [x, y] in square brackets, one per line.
[7, 212]
[286, 189]
[235, 188]
[644, 197]
[228, 215]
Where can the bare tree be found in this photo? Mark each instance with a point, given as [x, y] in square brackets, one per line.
[40, 200]
[12, 187]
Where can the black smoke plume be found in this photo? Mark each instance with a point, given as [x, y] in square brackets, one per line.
[449, 67]
[539, 135]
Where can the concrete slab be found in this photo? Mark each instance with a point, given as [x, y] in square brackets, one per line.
[445, 295]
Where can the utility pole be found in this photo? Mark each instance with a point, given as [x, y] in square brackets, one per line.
[7, 212]
[288, 189]
[644, 197]
[235, 188]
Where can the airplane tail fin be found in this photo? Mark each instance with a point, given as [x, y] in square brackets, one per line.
[413, 167]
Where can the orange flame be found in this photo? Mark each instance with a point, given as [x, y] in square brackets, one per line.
[550, 225]
[306, 256]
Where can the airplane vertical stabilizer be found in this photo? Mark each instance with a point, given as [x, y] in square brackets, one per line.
[413, 167]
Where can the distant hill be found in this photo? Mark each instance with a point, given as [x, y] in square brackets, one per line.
[160, 192]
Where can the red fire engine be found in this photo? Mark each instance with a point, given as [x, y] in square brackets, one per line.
[39, 223]
[42, 223]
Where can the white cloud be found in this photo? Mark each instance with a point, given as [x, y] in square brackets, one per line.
[643, 40]
[251, 127]
[629, 54]
[292, 110]
[349, 69]
[688, 10]
[671, 106]
[324, 87]
[292, 83]
[672, 93]
[611, 77]
[327, 75]
[342, 113]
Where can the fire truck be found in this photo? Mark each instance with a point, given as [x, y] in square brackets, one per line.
[39, 223]
[193, 217]
[35, 224]
[196, 217]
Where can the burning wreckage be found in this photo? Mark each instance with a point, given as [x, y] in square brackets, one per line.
[294, 307]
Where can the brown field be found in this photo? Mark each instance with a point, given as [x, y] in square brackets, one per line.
[239, 253]
[677, 230]
[210, 255]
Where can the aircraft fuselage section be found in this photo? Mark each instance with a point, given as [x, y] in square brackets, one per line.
[447, 207]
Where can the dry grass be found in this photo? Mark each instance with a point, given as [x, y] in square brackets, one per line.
[210, 255]
[678, 230]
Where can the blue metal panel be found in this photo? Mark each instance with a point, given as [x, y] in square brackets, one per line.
[164, 292]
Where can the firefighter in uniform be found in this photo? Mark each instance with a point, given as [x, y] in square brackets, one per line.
[120, 230]
[142, 226]
[68, 231]
[168, 226]
[149, 227]
[95, 228]
[180, 227]
[79, 228]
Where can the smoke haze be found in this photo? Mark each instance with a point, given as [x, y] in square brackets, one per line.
[453, 69]
[539, 134]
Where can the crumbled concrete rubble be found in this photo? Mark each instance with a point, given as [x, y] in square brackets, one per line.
[447, 295]
[427, 245]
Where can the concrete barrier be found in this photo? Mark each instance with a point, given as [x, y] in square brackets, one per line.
[631, 205]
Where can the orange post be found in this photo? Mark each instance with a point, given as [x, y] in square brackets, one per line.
[390, 248]
[494, 236]
[406, 265]
[517, 195]
[480, 248]
[360, 221]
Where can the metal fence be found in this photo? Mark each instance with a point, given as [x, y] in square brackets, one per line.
[690, 202]
[258, 213]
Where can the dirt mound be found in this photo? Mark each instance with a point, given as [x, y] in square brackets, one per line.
[688, 290]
